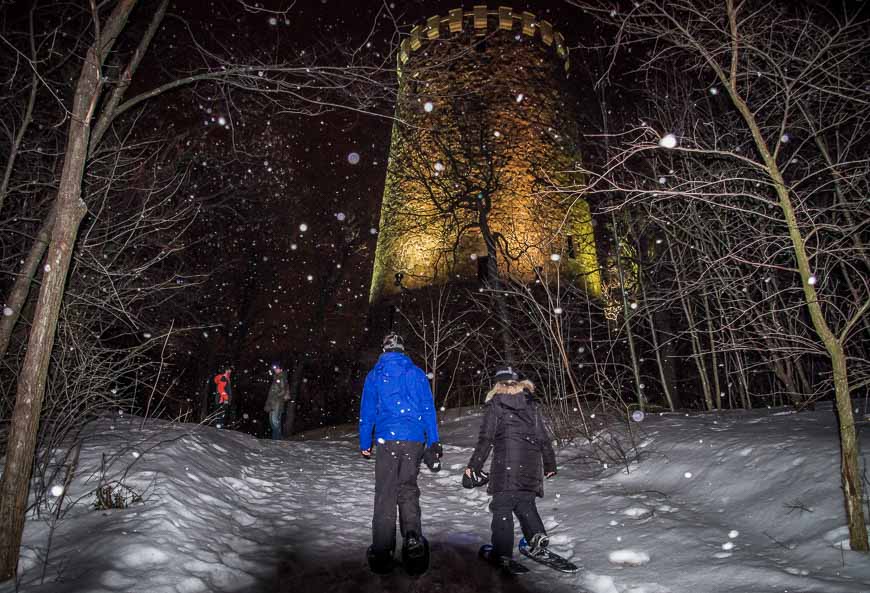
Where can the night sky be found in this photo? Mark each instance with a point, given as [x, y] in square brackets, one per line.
[290, 203]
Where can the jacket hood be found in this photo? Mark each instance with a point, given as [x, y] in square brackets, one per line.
[512, 388]
[394, 359]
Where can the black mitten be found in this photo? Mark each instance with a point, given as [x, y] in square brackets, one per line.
[475, 480]
[432, 456]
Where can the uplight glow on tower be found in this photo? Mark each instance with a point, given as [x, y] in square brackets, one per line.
[481, 178]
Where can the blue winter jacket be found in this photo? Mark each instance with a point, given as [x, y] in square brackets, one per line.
[397, 403]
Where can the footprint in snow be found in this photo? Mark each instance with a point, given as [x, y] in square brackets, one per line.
[638, 512]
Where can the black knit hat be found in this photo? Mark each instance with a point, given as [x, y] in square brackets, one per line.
[393, 343]
[505, 374]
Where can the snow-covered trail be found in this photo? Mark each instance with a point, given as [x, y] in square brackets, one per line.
[730, 503]
[320, 546]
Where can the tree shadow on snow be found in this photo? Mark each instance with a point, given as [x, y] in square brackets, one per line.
[454, 568]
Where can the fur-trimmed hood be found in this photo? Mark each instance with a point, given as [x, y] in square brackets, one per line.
[510, 388]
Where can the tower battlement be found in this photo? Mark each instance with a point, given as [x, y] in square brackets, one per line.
[483, 20]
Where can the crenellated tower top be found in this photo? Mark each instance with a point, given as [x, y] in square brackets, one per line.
[482, 21]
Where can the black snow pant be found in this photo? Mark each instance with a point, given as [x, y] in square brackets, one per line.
[503, 506]
[397, 464]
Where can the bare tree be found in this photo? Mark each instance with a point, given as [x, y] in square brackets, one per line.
[443, 328]
[99, 102]
[766, 123]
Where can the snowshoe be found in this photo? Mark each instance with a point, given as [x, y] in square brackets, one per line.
[415, 554]
[506, 565]
[542, 555]
[380, 562]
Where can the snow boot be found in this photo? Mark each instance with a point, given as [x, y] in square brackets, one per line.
[380, 562]
[506, 565]
[415, 554]
[538, 544]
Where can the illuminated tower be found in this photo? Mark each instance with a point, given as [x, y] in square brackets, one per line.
[485, 135]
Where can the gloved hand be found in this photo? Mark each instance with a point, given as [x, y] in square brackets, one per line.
[432, 456]
[474, 479]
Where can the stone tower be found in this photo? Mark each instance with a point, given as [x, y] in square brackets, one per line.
[485, 135]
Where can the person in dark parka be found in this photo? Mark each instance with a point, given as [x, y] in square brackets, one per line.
[523, 455]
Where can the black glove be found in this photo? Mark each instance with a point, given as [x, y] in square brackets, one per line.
[475, 480]
[432, 456]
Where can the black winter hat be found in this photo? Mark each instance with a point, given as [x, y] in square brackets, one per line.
[505, 374]
[393, 343]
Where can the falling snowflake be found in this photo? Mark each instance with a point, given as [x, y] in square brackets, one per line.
[8, 312]
[633, 305]
[557, 310]
[273, 21]
[714, 91]
[785, 138]
[340, 216]
[520, 98]
[811, 280]
[373, 231]
[662, 180]
[309, 277]
[555, 257]
[428, 106]
[147, 335]
[222, 121]
[56, 490]
[637, 416]
[668, 141]
[353, 158]
[439, 166]
[303, 227]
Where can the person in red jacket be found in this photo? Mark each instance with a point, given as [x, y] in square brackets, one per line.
[223, 395]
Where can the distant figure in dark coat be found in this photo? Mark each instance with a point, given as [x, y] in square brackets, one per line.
[279, 392]
[397, 410]
[523, 456]
[223, 395]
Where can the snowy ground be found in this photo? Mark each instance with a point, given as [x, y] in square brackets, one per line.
[736, 503]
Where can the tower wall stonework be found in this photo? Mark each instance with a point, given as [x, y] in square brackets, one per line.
[485, 134]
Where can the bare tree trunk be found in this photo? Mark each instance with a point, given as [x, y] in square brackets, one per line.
[15, 482]
[494, 280]
[626, 310]
[717, 388]
[850, 468]
[21, 289]
[295, 384]
[693, 335]
[17, 297]
[665, 376]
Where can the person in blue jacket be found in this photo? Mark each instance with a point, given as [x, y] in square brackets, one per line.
[398, 412]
